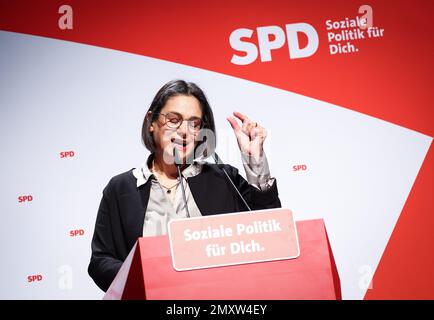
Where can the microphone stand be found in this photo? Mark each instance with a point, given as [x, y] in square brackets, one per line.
[217, 160]
[178, 163]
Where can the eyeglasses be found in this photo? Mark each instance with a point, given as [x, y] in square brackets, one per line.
[174, 120]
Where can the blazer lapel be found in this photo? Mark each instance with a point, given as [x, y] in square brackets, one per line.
[137, 218]
[210, 191]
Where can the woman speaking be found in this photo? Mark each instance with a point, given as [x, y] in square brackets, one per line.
[174, 182]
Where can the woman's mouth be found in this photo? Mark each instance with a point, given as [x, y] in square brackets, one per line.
[180, 144]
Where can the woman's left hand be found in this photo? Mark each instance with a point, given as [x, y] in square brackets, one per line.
[250, 135]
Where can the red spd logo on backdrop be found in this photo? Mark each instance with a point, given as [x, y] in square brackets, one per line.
[77, 232]
[34, 278]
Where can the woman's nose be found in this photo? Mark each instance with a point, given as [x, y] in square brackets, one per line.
[183, 129]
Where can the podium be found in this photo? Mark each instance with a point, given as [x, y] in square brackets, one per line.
[148, 273]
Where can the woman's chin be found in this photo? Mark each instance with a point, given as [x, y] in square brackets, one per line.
[185, 153]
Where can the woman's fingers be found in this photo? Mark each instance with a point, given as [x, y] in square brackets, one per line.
[234, 124]
[244, 119]
[250, 135]
[246, 127]
[239, 115]
[255, 133]
[247, 124]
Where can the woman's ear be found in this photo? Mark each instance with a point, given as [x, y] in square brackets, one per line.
[149, 116]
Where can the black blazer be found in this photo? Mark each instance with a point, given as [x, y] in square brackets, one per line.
[121, 213]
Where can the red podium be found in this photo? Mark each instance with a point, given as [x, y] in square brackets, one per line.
[148, 273]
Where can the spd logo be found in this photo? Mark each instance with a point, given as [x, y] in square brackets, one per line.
[271, 38]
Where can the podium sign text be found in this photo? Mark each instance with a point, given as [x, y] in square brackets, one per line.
[231, 239]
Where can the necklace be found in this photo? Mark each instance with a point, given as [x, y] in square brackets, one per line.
[168, 189]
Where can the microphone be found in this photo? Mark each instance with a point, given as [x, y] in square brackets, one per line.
[178, 162]
[218, 161]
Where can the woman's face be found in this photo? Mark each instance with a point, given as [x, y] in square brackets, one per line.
[167, 133]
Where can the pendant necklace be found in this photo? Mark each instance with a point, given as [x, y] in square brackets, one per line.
[168, 189]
